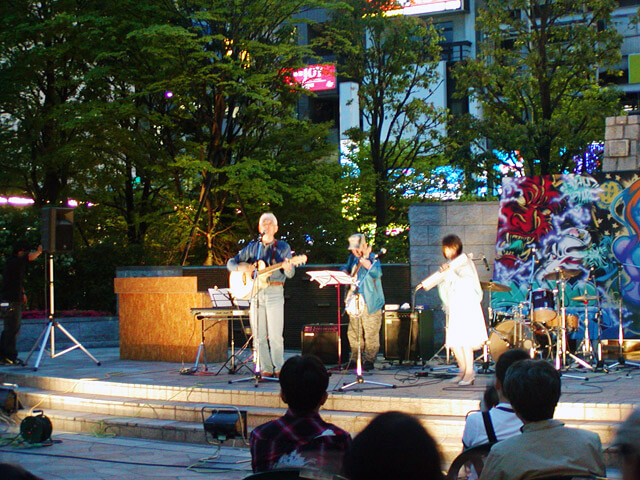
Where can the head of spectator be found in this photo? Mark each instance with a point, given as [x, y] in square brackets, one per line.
[393, 445]
[303, 384]
[627, 443]
[16, 472]
[490, 398]
[505, 360]
[533, 389]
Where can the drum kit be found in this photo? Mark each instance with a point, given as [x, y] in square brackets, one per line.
[541, 323]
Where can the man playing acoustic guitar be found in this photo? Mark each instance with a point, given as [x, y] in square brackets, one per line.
[266, 314]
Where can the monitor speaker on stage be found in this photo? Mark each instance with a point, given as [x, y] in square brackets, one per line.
[321, 340]
[408, 336]
[57, 229]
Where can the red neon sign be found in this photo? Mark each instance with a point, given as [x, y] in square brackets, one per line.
[417, 7]
[315, 77]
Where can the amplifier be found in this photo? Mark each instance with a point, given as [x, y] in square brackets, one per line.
[408, 336]
[321, 340]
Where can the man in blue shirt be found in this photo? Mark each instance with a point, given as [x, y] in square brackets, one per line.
[266, 314]
[365, 319]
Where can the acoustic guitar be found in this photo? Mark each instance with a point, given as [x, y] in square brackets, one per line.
[241, 283]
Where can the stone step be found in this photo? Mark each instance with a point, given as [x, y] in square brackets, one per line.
[103, 425]
[344, 402]
[353, 422]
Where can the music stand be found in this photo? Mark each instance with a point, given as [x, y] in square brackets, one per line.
[337, 278]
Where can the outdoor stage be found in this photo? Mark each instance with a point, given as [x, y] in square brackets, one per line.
[153, 400]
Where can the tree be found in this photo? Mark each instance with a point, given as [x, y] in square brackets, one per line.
[232, 97]
[44, 73]
[394, 61]
[536, 79]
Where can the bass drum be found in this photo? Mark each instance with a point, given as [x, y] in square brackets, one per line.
[517, 334]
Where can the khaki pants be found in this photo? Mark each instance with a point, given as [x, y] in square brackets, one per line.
[369, 334]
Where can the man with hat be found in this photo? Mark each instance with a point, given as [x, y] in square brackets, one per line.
[364, 301]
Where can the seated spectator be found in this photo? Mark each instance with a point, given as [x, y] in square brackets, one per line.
[546, 447]
[627, 443]
[394, 445]
[500, 422]
[300, 437]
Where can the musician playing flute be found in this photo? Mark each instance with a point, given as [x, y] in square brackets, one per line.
[461, 295]
[266, 314]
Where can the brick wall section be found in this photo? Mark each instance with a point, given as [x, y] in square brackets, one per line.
[475, 223]
[622, 144]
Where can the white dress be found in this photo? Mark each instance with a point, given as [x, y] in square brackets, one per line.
[461, 295]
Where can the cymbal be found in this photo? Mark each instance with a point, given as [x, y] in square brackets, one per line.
[494, 287]
[562, 274]
[585, 298]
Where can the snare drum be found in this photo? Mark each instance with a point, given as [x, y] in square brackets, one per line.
[543, 305]
[572, 322]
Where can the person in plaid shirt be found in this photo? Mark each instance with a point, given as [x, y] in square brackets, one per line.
[300, 437]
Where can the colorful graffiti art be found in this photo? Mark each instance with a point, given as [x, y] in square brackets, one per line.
[589, 225]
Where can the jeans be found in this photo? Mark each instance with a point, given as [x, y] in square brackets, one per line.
[266, 316]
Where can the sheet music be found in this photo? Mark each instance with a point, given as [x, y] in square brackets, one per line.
[222, 298]
[330, 277]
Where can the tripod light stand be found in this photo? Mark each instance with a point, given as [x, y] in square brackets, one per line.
[52, 324]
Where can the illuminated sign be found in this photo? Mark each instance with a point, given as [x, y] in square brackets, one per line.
[417, 7]
[316, 77]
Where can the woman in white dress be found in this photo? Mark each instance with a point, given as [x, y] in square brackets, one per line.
[461, 295]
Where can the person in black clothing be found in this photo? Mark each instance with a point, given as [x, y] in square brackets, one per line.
[13, 298]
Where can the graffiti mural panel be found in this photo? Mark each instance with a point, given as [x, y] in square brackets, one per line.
[583, 227]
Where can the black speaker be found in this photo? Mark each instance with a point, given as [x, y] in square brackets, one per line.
[57, 229]
[408, 336]
[321, 340]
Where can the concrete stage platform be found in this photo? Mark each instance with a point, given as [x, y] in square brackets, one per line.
[153, 401]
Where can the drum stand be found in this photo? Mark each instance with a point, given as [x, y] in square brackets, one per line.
[622, 362]
[561, 349]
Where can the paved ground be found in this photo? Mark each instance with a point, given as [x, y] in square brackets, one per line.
[82, 457]
[75, 456]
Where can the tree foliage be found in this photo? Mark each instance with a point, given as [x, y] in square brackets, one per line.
[536, 79]
[394, 60]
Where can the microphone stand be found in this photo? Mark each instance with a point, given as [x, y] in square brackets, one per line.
[359, 377]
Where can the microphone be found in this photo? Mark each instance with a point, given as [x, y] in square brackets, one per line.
[381, 253]
[486, 264]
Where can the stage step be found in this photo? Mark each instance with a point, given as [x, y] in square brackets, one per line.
[172, 413]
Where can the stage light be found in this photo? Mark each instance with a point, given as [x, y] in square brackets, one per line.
[9, 398]
[224, 423]
[168, 94]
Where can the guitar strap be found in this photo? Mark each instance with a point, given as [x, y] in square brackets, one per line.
[273, 252]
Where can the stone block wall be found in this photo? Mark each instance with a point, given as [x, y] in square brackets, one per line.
[476, 223]
[622, 144]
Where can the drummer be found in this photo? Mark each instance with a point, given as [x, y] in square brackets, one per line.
[461, 295]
